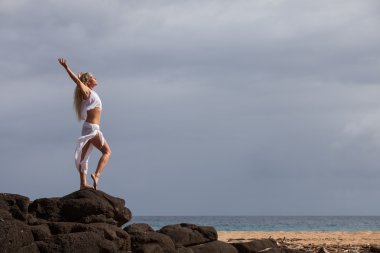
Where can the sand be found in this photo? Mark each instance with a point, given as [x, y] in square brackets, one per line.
[300, 239]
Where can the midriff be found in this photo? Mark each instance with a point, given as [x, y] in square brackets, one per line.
[93, 116]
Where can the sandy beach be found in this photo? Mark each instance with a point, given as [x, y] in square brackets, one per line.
[333, 241]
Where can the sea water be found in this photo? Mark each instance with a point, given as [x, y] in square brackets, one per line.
[268, 223]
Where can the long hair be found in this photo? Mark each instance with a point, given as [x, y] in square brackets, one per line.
[78, 97]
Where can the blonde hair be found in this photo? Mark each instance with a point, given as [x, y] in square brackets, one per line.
[78, 97]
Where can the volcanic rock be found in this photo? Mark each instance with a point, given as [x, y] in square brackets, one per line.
[83, 221]
[145, 240]
[14, 204]
[189, 234]
[214, 247]
[85, 206]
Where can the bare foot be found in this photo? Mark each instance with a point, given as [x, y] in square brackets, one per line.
[86, 186]
[95, 179]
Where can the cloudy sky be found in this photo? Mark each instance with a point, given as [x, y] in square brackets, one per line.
[265, 107]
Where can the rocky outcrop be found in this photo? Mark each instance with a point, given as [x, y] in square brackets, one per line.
[14, 205]
[91, 221]
[83, 221]
[86, 206]
[16, 236]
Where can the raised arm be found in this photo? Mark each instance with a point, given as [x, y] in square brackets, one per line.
[84, 89]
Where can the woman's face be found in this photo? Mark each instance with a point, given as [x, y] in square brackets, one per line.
[91, 83]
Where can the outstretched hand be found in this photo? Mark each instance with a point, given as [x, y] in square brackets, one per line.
[62, 61]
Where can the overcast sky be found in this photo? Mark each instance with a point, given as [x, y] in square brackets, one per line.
[265, 107]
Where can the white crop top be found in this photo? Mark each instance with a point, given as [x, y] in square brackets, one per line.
[92, 102]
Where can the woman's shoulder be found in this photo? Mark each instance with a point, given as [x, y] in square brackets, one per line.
[94, 98]
[93, 93]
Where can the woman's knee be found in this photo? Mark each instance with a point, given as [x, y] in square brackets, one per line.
[106, 150]
[109, 152]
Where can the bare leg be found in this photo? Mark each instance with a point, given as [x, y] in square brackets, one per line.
[83, 176]
[106, 153]
[83, 181]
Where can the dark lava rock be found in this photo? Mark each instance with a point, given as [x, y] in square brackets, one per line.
[85, 206]
[5, 215]
[189, 234]
[83, 242]
[41, 232]
[57, 228]
[182, 249]
[149, 248]
[138, 228]
[46, 209]
[16, 236]
[257, 245]
[117, 236]
[375, 249]
[145, 240]
[14, 204]
[214, 247]
[83, 221]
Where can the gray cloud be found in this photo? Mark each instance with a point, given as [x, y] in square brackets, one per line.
[209, 107]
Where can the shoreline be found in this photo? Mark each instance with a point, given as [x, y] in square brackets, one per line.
[306, 238]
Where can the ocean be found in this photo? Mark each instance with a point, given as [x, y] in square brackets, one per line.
[268, 223]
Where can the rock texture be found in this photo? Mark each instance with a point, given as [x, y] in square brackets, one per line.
[214, 247]
[189, 234]
[86, 206]
[83, 221]
[374, 249]
[145, 239]
[177, 238]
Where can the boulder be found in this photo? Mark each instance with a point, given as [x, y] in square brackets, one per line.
[16, 236]
[58, 228]
[5, 215]
[32, 248]
[41, 232]
[83, 221]
[46, 209]
[84, 206]
[117, 236]
[214, 247]
[138, 228]
[145, 240]
[16, 205]
[149, 248]
[374, 248]
[189, 234]
[83, 242]
[183, 249]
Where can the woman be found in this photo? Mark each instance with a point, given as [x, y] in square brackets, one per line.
[88, 107]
